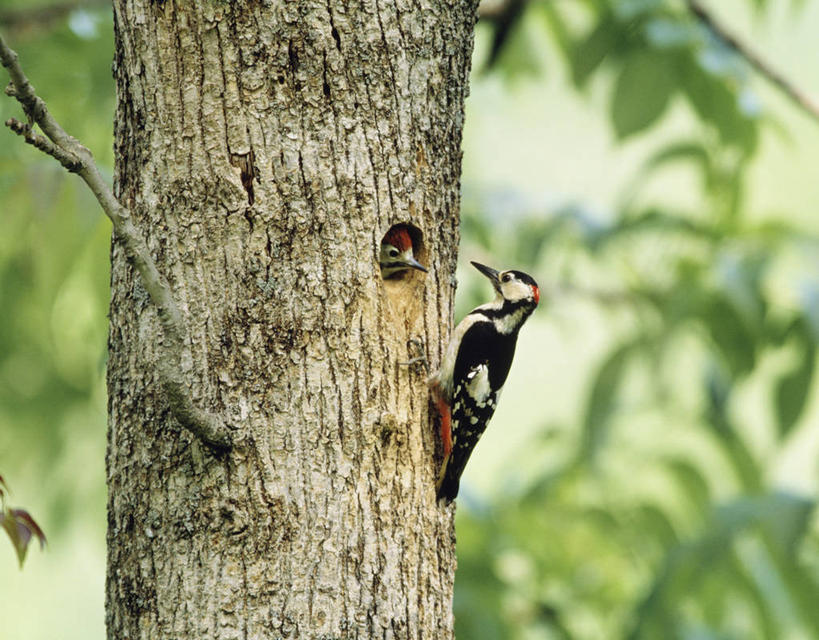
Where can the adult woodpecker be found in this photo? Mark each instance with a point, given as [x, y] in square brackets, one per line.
[474, 368]
[396, 253]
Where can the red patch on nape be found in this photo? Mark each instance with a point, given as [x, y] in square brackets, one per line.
[399, 238]
[536, 293]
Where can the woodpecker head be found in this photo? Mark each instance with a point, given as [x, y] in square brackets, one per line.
[512, 286]
[396, 253]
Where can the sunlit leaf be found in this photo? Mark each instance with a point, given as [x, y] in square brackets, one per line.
[793, 389]
[763, 607]
[739, 276]
[641, 94]
[601, 404]
[691, 479]
[809, 297]
[730, 335]
[801, 586]
[657, 524]
[717, 102]
[684, 151]
[785, 517]
[588, 54]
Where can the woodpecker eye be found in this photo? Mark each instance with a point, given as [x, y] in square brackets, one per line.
[506, 277]
[393, 253]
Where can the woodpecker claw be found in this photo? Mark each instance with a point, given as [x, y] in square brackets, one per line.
[417, 345]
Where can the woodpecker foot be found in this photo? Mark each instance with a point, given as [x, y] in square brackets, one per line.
[417, 354]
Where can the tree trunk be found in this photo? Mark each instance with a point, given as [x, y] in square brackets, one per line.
[265, 148]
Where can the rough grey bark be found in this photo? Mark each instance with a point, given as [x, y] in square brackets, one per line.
[265, 148]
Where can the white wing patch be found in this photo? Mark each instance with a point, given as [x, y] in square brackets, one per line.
[444, 375]
[477, 385]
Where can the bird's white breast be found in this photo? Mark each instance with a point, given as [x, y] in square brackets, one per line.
[444, 376]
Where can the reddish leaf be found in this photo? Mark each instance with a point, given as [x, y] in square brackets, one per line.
[20, 527]
[10, 525]
[25, 520]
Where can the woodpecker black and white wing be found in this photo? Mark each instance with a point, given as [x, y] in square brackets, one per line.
[474, 401]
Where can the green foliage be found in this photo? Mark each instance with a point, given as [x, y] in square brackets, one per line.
[658, 514]
[54, 293]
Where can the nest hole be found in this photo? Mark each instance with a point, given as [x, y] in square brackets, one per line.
[396, 241]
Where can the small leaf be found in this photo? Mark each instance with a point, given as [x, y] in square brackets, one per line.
[656, 524]
[20, 527]
[783, 516]
[691, 479]
[793, 388]
[25, 520]
[642, 93]
[587, 55]
[601, 405]
[681, 151]
[716, 100]
[8, 523]
[730, 335]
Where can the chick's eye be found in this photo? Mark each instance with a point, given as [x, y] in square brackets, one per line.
[393, 253]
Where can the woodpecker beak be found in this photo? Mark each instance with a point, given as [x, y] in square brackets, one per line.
[490, 273]
[413, 264]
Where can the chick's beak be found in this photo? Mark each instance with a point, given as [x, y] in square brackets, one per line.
[489, 272]
[413, 263]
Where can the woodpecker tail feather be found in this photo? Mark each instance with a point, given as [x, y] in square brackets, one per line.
[448, 483]
[449, 480]
[445, 421]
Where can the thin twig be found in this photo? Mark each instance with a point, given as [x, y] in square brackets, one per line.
[78, 159]
[65, 158]
[803, 100]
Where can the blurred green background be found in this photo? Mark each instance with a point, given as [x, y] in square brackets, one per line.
[652, 469]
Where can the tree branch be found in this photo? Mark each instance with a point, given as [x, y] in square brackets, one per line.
[803, 100]
[505, 16]
[78, 159]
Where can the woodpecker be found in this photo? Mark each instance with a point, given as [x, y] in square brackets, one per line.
[396, 253]
[473, 370]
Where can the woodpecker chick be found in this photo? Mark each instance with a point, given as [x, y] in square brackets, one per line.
[397, 254]
[474, 368]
